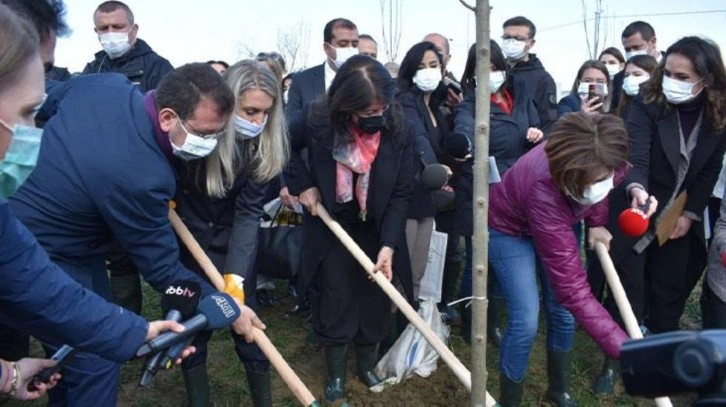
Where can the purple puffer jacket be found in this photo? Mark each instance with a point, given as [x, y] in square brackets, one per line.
[528, 203]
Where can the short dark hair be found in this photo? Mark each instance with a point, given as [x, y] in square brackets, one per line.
[581, 145]
[183, 88]
[410, 63]
[646, 30]
[589, 64]
[496, 57]
[521, 21]
[46, 16]
[113, 5]
[212, 62]
[336, 23]
[367, 37]
[614, 52]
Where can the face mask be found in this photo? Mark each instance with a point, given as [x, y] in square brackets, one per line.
[630, 54]
[596, 192]
[514, 49]
[115, 44]
[284, 96]
[372, 124]
[613, 69]
[194, 147]
[496, 79]
[678, 92]
[427, 79]
[342, 55]
[584, 89]
[20, 159]
[631, 84]
[246, 129]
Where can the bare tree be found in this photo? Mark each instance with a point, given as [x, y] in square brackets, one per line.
[596, 45]
[293, 43]
[391, 21]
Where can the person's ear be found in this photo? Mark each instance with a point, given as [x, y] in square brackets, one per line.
[166, 117]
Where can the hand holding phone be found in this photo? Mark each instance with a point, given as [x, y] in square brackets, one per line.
[64, 355]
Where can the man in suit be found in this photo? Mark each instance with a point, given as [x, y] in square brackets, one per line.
[638, 39]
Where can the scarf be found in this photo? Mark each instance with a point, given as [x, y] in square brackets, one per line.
[355, 156]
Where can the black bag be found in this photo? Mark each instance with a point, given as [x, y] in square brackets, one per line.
[279, 250]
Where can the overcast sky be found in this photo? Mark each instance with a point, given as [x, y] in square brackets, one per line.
[191, 30]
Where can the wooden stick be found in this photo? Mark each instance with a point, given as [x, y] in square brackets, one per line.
[288, 375]
[626, 311]
[446, 354]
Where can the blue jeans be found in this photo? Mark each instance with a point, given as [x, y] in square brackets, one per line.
[517, 268]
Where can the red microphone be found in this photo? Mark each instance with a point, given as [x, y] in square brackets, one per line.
[634, 221]
[723, 258]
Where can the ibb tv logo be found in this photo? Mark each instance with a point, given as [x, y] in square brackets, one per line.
[183, 291]
[223, 304]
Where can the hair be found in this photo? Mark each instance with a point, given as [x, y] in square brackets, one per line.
[581, 146]
[443, 37]
[183, 88]
[46, 16]
[212, 62]
[15, 54]
[705, 57]
[644, 62]
[367, 37]
[521, 21]
[266, 154]
[496, 58]
[410, 63]
[646, 30]
[336, 23]
[113, 5]
[614, 52]
[590, 64]
[392, 68]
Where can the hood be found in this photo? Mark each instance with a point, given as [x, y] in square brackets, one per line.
[532, 64]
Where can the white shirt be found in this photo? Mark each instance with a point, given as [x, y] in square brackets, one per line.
[329, 75]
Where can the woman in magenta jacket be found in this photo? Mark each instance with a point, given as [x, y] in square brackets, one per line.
[531, 213]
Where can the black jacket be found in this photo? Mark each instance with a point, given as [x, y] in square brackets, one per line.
[391, 185]
[617, 90]
[144, 67]
[541, 86]
[306, 86]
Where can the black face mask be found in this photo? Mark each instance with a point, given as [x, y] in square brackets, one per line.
[372, 124]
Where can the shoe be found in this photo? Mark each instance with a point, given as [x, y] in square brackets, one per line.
[197, 384]
[266, 298]
[301, 309]
[559, 372]
[335, 359]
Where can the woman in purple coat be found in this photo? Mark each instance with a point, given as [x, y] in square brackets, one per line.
[531, 214]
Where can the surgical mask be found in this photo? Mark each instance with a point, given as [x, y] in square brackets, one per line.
[631, 84]
[496, 79]
[630, 54]
[194, 147]
[613, 69]
[372, 124]
[20, 159]
[514, 49]
[596, 192]
[678, 92]
[427, 79]
[342, 55]
[115, 44]
[584, 89]
[246, 129]
[284, 96]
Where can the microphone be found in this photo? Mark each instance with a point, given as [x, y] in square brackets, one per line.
[179, 301]
[723, 258]
[634, 222]
[214, 312]
[434, 176]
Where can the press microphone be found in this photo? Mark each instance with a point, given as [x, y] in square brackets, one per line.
[214, 312]
[723, 258]
[434, 176]
[634, 221]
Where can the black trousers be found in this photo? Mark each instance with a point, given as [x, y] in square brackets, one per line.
[712, 309]
[249, 354]
[347, 306]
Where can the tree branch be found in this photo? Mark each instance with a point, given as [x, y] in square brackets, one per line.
[467, 5]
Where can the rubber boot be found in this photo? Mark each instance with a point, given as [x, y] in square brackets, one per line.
[260, 388]
[197, 384]
[465, 313]
[335, 358]
[559, 372]
[452, 269]
[510, 392]
[366, 357]
[605, 382]
[126, 291]
[495, 310]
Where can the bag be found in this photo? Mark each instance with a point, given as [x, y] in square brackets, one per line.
[434, 273]
[279, 249]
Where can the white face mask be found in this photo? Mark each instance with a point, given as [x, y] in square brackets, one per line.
[584, 89]
[596, 192]
[427, 79]
[115, 44]
[194, 147]
[496, 79]
[284, 96]
[631, 84]
[630, 54]
[678, 92]
[246, 129]
[514, 49]
[613, 69]
[342, 55]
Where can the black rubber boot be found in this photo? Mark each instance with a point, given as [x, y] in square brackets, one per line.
[495, 310]
[335, 358]
[559, 372]
[605, 382]
[366, 357]
[197, 384]
[510, 392]
[126, 291]
[452, 269]
[260, 388]
[465, 313]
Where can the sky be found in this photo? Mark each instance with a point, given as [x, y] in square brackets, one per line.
[191, 31]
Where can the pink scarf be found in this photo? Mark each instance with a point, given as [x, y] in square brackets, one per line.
[357, 157]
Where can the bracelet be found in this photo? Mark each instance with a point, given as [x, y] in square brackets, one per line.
[16, 379]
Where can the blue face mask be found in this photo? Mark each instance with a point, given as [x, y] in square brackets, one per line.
[246, 129]
[20, 159]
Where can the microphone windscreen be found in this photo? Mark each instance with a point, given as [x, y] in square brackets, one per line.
[220, 310]
[434, 176]
[633, 222]
[182, 296]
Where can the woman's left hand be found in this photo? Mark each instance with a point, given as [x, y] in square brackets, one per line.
[385, 262]
[599, 234]
[534, 135]
[682, 227]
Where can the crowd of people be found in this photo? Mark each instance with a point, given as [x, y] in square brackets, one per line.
[85, 216]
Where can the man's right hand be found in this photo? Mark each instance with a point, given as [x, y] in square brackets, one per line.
[309, 198]
[247, 322]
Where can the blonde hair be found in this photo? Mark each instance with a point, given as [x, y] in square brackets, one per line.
[19, 43]
[266, 154]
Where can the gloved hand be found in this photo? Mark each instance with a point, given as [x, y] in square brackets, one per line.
[458, 146]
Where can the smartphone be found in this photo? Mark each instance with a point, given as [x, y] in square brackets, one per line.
[452, 84]
[64, 355]
[596, 90]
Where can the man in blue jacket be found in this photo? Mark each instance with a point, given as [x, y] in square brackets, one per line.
[104, 174]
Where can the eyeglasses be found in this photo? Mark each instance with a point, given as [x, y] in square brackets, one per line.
[211, 136]
[272, 56]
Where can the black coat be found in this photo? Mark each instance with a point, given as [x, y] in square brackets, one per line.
[538, 83]
[391, 186]
[306, 86]
[616, 90]
[144, 67]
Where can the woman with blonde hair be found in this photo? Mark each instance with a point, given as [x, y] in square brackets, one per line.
[221, 198]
